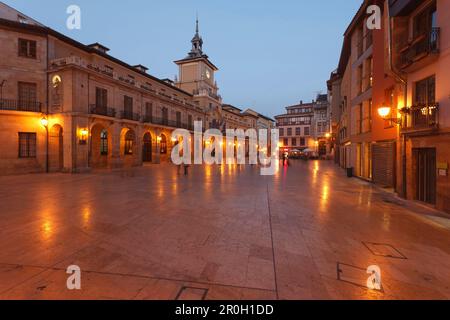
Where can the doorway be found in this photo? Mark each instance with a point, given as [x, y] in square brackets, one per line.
[56, 149]
[425, 174]
[147, 148]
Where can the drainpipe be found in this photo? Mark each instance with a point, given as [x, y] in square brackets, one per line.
[403, 80]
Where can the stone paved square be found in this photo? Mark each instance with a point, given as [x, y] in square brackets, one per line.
[148, 232]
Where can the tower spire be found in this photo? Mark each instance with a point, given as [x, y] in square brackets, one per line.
[197, 42]
[196, 24]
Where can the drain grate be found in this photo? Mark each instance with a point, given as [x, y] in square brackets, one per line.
[353, 275]
[191, 293]
[384, 250]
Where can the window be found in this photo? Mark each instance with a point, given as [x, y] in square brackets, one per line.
[149, 111]
[27, 96]
[285, 142]
[178, 114]
[424, 112]
[294, 142]
[359, 118]
[104, 143]
[425, 91]
[289, 132]
[360, 40]
[27, 145]
[281, 132]
[306, 131]
[302, 141]
[298, 131]
[424, 21]
[359, 79]
[129, 140]
[101, 98]
[369, 73]
[128, 105]
[27, 48]
[165, 116]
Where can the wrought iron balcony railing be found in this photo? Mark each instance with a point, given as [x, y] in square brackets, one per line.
[130, 116]
[147, 119]
[102, 111]
[18, 105]
[426, 44]
[422, 117]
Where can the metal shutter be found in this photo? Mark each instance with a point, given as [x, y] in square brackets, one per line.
[383, 162]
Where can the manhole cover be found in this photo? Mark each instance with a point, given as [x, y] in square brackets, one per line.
[384, 250]
[191, 293]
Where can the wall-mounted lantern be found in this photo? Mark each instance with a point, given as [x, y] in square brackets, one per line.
[385, 113]
[83, 136]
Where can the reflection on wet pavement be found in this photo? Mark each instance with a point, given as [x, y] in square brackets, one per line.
[225, 231]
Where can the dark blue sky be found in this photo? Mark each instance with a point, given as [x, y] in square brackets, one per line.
[270, 53]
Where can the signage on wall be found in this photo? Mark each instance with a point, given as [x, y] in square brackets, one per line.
[442, 169]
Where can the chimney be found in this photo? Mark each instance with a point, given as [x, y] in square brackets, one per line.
[141, 68]
[301, 101]
[97, 46]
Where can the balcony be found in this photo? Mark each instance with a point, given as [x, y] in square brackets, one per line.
[205, 92]
[130, 116]
[168, 123]
[422, 118]
[15, 105]
[102, 111]
[424, 48]
[147, 119]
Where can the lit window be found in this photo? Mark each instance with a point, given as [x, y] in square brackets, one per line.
[104, 143]
[27, 145]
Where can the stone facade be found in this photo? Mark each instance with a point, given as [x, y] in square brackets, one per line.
[70, 107]
[408, 146]
[296, 127]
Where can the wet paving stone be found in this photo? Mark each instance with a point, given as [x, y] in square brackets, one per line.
[225, 231]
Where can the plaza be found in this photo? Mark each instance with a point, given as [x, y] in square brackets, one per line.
[221, 232]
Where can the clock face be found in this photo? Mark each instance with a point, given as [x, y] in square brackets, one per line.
[208, 74]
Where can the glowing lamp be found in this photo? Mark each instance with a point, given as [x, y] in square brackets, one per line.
[159, 139]
[44, 122]
[384, 111]
[83, 136]
[327, 135]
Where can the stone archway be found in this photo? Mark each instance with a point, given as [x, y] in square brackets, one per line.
[55, 149]
[147, 149]
[101, 146]
[129, 147]
[163, 147]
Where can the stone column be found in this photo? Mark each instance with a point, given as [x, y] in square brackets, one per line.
[116, 160]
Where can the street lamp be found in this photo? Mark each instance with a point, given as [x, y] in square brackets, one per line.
[384, 112]
[44, 123]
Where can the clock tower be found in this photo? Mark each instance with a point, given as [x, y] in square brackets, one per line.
[196, 76]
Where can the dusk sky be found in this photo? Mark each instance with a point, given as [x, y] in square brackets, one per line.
[270, 53]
